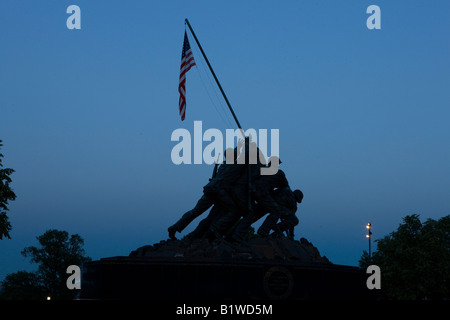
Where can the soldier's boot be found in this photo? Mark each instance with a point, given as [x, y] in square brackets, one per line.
[212, 234]
[172, 230]
[267, 225]
[290, 233]
[263, 232]
[282, 226]
[287, 225]
[277, 231]
[216, 233]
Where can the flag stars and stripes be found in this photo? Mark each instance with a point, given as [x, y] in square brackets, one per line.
[187, 62]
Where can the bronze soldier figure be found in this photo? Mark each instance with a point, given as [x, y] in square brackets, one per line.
[262, 188]
[217, 191]
[288, 199]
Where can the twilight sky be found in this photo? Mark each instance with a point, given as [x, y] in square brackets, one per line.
[86, 116]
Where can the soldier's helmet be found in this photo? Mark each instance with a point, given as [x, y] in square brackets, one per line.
[298, 195]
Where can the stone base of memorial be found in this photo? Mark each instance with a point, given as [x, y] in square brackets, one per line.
[259, 269]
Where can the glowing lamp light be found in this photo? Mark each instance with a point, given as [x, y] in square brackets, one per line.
[368, 236]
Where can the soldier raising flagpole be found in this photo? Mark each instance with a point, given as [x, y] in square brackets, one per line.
[235, 185]
[247, 144]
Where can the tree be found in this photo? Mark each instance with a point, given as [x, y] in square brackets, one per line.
[57, 251]
[22, 285]
[6, 194]
[414, 260]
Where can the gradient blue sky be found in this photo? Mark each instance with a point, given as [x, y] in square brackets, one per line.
[86, 115]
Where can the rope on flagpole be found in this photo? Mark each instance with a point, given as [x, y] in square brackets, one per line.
[221, 111]
[215, 78]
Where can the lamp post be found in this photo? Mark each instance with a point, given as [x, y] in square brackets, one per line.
[369, 236]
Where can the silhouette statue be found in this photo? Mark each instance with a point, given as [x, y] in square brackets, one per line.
[239, 195]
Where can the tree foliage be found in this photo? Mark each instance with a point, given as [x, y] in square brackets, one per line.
[56, 252]
[6, 194]
[22, 285]
[414, 260]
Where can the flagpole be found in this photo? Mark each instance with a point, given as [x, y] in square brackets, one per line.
[250, 207]
[215, 77]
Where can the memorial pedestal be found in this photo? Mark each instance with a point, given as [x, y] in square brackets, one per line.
[271, 269]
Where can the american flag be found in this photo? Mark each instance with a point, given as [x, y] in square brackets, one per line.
[187, 61]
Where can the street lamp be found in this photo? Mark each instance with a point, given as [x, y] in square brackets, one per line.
[369, 236]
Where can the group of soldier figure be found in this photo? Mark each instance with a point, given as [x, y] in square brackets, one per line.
[239, 196]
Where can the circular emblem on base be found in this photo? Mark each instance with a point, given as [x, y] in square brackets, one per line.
[278, 283]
